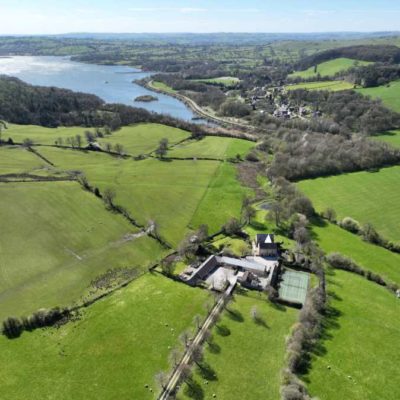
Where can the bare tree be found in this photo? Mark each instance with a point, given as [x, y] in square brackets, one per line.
[174, 357]
[108, 147]
[119, 149]
[3, 127]
[161, 379]
[162, 148]
[108, 197]
[186, 373]
[89, 137]
[184, 338]
[78, 141]
[254, 313]
[197, 321]
[197, 354]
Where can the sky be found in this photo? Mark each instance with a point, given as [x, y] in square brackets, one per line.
[66, 16]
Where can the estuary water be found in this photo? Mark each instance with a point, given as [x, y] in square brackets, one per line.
[113, 84]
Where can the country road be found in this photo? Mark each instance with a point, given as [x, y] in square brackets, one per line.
[175, 377]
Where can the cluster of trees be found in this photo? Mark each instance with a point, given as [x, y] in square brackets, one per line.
[350, 110]
[375, 75]
[376, 53]
[47, 106]
[13, 327]
[287, 204]
[339, 261]
[234, 108]
[309, 155]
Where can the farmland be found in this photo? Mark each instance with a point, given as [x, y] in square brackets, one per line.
[67, 237]
[71, 237]
[144, 138]
[360, 195]
[245, 356]
[212, 147]
[114, 349]
[328, 68]
[389, 94]
[362, 320]
[137, 182]
[333, 86]
[373, 258]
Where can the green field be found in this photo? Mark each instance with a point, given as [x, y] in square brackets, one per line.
[144, 138]
[358, 357]
[212, 147]
[390, 94]
[162, 86]
[55, 238]
[329, 68]
[247, 361]
[40, 134]
[222, 199]
[391, 137]
[16, 160]
[366, 196]
[373, 258]
[333, 86]
[112, 352]
[153, 189]
[223, 80]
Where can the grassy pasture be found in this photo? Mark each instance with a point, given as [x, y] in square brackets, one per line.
[223, 80]
[391, 137]
[112, 352]
[144, 138]
[40, 134]
[331, 239]
[16, 160]
[247, 361]
[390, 94]
[222, 199]
[329, 68]
[366, 196]
[55, 238]
[360, 343]
[162, 86]
[333, 86]
[212, 147]
[168, 192]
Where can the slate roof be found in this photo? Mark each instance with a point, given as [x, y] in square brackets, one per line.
[266, 241]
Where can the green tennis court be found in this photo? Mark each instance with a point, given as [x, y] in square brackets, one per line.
[294, 286]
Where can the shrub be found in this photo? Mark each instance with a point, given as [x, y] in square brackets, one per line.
[350, 225]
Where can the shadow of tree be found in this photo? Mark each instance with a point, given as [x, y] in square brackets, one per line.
[235, 315]
[223, 330]
[194, 390]
[261, 322]
[214, 348]
[206, 371]
[330, 323]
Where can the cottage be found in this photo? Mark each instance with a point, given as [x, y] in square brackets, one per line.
[264, 246]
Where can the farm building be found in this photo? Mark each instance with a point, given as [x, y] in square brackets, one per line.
[256, 272]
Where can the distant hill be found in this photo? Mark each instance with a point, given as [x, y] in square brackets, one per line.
[373, 53]
[227, 37]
